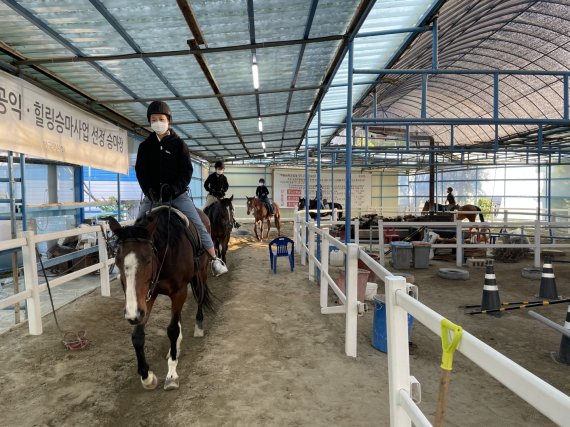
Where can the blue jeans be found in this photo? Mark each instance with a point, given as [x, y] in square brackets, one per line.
[185, 205]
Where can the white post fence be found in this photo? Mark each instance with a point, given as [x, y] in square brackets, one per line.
[404, 389]
[33, 289]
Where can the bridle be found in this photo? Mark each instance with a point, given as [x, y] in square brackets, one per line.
[155, 281]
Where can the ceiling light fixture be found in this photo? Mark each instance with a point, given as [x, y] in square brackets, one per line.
[260, 125]
[255, 72]
[263, 144]
[265, 154]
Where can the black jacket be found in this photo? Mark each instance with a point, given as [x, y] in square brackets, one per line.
[216, 185]
[163, 162]
[261, 192]
[450, 199]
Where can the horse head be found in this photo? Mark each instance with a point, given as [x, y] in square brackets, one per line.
[137, 261]
[250, 207]
[301, 204]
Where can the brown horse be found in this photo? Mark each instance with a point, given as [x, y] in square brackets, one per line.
[155, 256]
[259, 211]
[469, 212]
[220, 214]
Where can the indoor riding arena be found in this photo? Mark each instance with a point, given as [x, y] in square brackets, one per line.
[285, 213]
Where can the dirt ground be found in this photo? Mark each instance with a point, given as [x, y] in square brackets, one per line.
[269, 358]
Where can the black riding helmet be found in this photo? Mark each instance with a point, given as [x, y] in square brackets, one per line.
[262, 180]
[219, 164]
[449, 189]
[159, 107]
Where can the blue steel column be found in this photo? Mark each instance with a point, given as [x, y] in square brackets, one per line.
[23, 208]
[118, 197]
[348, 142]
[434, 46]
[332, 180]
[79, 194]
[319, 195]
[307, 180]
[366, 142]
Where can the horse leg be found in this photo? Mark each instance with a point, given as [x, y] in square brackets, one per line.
[278, 223]
[201, 294]
[255, 229]
[261, 229]
[148, 379]
[174, 331]
[268, 227]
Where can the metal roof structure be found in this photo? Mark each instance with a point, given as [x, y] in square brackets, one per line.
[113, 57]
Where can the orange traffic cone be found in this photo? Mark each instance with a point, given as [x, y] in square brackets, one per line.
[547, 281]
[563, 355]
[490, 299]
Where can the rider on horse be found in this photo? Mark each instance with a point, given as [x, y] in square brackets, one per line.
[262, 193]
[164, 171]
[216, 185]
[450, 202]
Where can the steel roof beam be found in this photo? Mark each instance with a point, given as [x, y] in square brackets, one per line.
[223, 119]
[249, 134]
[130, 41]
[354, 26]
[208, 96]
[308, 26]
[192, 51]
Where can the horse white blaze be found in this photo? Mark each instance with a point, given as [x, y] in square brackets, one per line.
[130, 270]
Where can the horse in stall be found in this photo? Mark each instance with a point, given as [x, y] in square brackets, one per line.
[159, 255]
[313, 206]
[259, 211]
[220, 214]
[437, 207]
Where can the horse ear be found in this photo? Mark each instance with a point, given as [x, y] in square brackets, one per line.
[114, 225]
[231, 198]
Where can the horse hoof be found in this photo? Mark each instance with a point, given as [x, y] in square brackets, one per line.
[171, 384]
[198, 332]
[151, 381]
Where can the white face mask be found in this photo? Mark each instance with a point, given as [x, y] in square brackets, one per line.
[159, 127]
[219, 171]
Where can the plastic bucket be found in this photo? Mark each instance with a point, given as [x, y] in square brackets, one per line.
[379, 331]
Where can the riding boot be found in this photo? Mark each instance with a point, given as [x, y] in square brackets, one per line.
[236, 224]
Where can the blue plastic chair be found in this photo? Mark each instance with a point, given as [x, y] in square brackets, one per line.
[281, 246]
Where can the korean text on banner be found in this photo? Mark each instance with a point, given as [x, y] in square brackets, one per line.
[37, 123]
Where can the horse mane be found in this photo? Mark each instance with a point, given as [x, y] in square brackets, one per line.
[164, 233]
[132, 232]
[216, 209]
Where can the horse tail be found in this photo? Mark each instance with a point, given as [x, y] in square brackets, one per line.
[201, 292]
[481, 217]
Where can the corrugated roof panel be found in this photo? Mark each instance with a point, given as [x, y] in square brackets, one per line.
[232, 71]
[223, 22]
[184, 73]
[273, 103]
[242, 105]
[342, 10]
[279, 20]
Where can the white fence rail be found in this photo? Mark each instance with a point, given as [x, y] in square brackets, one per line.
[32, 288]
[403, 410]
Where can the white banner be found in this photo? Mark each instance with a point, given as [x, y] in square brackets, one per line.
[35, 122]
[288, 186]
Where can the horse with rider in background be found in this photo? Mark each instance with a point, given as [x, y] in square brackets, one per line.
[258, 209]
[327, 206]
[220, 214]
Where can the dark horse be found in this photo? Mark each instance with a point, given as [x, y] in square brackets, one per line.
[221, 220]
[468, 212]
[155, 256]
[313, 206]
[259, 211]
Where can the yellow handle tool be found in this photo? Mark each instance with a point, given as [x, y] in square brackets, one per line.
[448, 346]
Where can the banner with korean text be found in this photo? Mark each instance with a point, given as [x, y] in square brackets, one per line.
[289, 185]
[37, 123]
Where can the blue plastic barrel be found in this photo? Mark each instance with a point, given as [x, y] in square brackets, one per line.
[379, 332]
